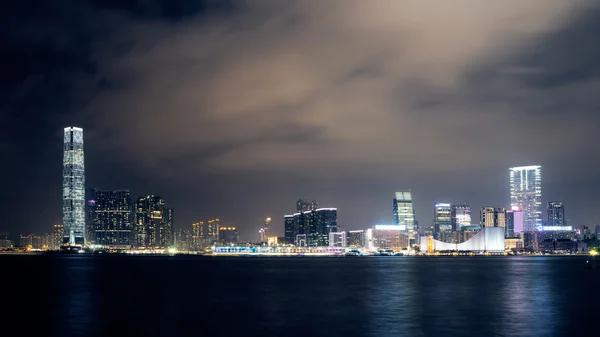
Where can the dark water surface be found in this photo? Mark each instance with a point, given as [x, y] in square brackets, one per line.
[219, 296]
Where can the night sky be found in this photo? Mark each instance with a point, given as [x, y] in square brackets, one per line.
[235, 109]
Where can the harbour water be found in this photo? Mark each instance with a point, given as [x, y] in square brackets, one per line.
[115, 295]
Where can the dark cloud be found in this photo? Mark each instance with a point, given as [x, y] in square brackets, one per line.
[236, 109]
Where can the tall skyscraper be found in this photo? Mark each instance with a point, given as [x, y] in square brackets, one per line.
[442, 221]
[526, 194]
[313, 226]
[556, 214]
[154, 223]
[212, 231]
[198, 239]
[403, 214]
[493, 217]
[111, 217]
[461, 216]
[73, 187]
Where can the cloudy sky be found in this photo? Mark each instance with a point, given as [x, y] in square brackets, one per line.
[235, 109]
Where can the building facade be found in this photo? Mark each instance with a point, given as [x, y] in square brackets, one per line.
[442, 222]
[403, 214]
[461, 216]
[228, 235]
[526, 194]
[356, 239]
[556, 214]
[314, 226]
[154, 223]
[493, 217]
[111, 217]
[74, 231]
[337, 239]
[211, 234]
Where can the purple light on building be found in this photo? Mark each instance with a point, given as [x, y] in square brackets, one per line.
[518, 220]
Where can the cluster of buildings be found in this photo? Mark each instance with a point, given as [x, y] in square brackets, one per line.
[111, 219]
[520, 227]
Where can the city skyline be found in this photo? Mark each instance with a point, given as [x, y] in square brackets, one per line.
[236, 125]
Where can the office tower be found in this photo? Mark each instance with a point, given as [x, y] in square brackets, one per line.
[212, 231]
[356, 238]
[597, 232]
[314, 226]
[526, 194]
[57, 236]
[73, 187]
[442, 221]
[111, 217]
[290, 228]
[154, 223]
[198, 239]
[305, 205]
[228, 235]
[322, 222]
[403, 213]
[556, 214]
[461, 216]
[337, 239]
[493, 217]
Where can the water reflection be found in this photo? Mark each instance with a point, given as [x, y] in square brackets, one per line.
[193, 296]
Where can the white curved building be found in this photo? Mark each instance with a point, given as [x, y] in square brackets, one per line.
[488, 239]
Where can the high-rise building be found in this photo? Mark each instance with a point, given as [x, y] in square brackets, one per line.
[111, 217]
[493, 217]
[442, 221]
[198, 239]
[461, 216]
[556, 214]
[73, 187]
[154, 223]
[403, 214]
[314, 226]
[212, 232]
[57, 236]
[290, 227]
[356, 238]
[228, 235]
[526, 194]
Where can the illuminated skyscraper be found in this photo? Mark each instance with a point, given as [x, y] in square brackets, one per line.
[154, 223]
[526, 194]
[198, 238]
[556, 214]
[228, 235]
[404, 214]
[461, 216]
[73, 187]
[442, 221]
[212, 231]
[111, 217]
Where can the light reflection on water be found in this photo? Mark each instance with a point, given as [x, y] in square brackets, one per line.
[387, 296]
